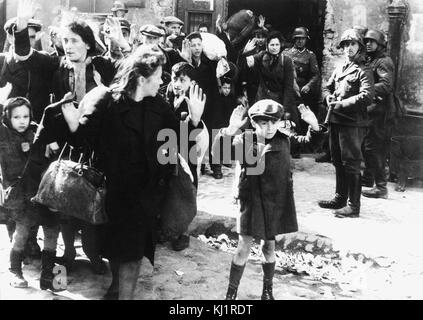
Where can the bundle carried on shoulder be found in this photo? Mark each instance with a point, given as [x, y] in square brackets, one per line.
[240, 25]
[213, 47]
[74, 189]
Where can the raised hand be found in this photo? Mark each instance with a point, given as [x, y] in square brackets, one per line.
[261, 21]
[250, 46]
[70, 113]
[186, 51]
[113, 31]
[237, 120]
[133, 36]
[26, 10]
[5, 92]
[218, 26]
[308, 116]
[305, 89]
[196, 103]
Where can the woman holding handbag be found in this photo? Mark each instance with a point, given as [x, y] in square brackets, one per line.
[122, 125]
[78, 71]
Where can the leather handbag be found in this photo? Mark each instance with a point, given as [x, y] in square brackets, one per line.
[74, 189]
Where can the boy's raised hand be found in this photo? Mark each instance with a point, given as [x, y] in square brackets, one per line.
[196, 103]
[186, 51]
[308, 116]
[237, 120]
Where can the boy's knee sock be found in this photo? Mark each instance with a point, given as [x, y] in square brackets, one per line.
[235, 275]
[268, 272]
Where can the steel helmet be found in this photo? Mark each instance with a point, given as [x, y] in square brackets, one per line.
[377, 36]
[300, 32]
[351, 35]
[119, 5]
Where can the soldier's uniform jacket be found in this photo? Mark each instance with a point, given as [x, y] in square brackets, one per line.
[352, 85]
[383, 72]
[306, 67]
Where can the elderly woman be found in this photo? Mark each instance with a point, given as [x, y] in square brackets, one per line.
[276, 73]
[348, 92]
[122, 125]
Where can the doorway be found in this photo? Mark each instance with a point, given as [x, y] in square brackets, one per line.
[286, 15]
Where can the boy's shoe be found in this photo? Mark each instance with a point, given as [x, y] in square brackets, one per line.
[231, 294]
[16, 277]
[180, 243]
[17, 280]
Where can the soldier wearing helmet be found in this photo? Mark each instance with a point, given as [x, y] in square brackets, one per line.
[381, 111]
[347, 94]
[306, 68]
[119, 9]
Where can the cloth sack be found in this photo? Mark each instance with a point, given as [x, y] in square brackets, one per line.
[213, 47]
[180, 205]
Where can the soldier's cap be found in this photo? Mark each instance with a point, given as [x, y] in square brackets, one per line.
[301, 32]
[172, 19]
[351, 35]
[10, 25]
[266, 109]
[118, 5]
[152, 31]
[124, 24]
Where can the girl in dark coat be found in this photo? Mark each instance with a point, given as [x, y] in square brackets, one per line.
[267, 207]
[122, 125]
[16, 144]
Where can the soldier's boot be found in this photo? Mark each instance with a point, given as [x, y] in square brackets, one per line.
[352, 210]
[341, 192]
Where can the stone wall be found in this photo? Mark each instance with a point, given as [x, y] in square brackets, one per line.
[411, 75]
[344, 14]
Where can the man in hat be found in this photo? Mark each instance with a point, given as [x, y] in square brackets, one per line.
[119, 9]
[174, 35]
[151, 34]
[381, 115]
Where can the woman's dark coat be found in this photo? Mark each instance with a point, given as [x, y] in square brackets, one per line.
[123, 134]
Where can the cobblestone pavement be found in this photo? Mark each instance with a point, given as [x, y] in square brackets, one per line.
[380, 252]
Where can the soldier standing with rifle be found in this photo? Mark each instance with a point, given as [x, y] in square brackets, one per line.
[347, 94]
[381, 115]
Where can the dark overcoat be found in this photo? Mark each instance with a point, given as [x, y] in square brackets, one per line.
[124, 134]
